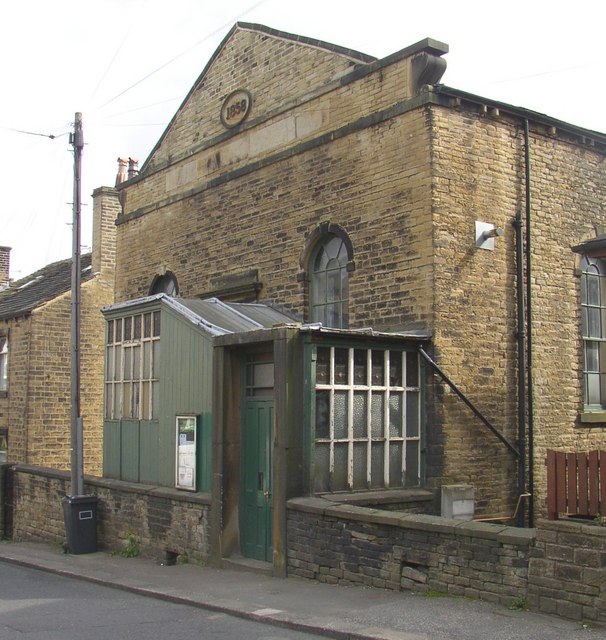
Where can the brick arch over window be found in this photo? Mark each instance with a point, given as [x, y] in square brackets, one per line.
[326, 228]
[327, 262]
[165, 283]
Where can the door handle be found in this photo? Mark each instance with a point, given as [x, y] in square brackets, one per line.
[266, 495]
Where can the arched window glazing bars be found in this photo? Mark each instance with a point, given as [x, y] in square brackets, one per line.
[165, 283]
[329, 282]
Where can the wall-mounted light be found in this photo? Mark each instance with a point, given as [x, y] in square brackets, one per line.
[485, 235]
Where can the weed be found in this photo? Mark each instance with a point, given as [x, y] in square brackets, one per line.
[432, 593]
[130, 546]
[518, 604]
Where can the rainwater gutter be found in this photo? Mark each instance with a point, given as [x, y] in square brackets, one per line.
[521, 340]
[529, 328]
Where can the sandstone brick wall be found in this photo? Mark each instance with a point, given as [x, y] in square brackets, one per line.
[49, 396]
[406, 178]
[37, 408]
[48, 392]
[164, 521]
[559, 568]
[567, 571]
[107, 207]
[247, 55]
[479, 175]
[263, 220]
[390, 550]
[265, 217]
[5, 253]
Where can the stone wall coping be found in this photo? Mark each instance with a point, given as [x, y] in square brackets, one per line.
[119, 485]
[517, 536]
[47, 472]
[573, 526]
[390, 496]
[436, 524]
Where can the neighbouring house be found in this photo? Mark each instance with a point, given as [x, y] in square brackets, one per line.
[35, 351]
[337, 276]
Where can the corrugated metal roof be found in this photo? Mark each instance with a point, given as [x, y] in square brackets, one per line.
[368, 332]
[220, 318]
[214, 316]
[236, 317]
[25, 295]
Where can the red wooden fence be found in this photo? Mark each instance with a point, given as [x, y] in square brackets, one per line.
[576, 484]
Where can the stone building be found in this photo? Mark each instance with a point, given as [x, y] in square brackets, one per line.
[35, 354]
[439, 329]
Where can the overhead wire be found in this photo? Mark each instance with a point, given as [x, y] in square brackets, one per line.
[549, 72]
[117, 52]
[147, 106]
[184, 52]
[58, 213]
[52, 136]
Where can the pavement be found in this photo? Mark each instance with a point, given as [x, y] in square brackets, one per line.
[343, 612]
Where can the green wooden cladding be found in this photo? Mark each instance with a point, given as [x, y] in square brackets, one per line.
[145, 451]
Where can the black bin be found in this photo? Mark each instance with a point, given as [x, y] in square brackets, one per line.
[80, 516]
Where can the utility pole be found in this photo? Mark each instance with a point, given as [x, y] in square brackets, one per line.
[77, 472]
[79, 511]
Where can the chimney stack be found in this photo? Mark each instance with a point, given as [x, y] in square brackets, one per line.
[106, 208]
[122, 171]
[133, 168]
[5, 253]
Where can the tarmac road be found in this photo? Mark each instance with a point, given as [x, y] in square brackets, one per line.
[43, 606]
[349, 613]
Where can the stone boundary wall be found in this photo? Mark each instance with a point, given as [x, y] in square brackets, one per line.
[341, 544]
[567, 572]
[168, 523]
[558, 568]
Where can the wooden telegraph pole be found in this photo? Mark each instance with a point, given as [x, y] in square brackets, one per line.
[77, 472]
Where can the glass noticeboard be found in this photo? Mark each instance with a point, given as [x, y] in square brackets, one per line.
[186, 453]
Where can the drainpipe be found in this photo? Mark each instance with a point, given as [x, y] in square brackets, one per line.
[529, 329]
[521, 339]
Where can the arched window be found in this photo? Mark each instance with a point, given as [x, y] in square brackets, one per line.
[329, 286]
[166, 283]
[593, 327]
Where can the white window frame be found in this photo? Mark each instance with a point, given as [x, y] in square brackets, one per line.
[593, 330]
[131, 367]
[4, 363]
[385, 438]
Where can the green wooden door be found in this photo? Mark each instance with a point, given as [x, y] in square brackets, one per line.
[256, 488]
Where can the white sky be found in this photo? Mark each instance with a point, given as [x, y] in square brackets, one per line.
[127, 65]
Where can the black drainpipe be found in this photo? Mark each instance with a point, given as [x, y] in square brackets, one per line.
[529, 331]
[521, 338]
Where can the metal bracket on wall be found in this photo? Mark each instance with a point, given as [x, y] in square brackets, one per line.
[485, 235]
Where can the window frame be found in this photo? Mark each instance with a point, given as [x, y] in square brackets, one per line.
[593, 332]
[335, 271]
[329, 479]
[132, 358]
[4, 363]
